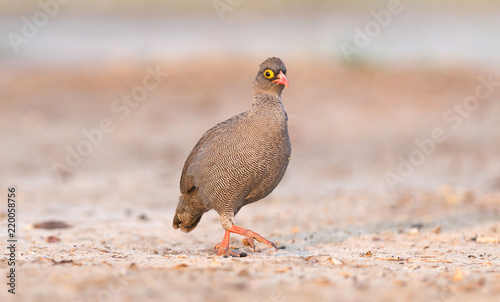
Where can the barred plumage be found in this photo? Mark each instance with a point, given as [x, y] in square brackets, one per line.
[240, 160]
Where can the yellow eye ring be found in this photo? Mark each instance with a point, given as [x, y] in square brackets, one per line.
[268, 73]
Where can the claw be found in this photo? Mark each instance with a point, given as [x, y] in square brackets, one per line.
[250, 236]
[223, 247]
[249, 242]
[229, 252]
[224, 250]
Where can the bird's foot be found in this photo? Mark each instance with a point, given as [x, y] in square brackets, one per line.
[224, 250]
[223, 247]
[250, 236]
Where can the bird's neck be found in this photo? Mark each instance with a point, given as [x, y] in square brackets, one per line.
[268, 106]
[266, 99]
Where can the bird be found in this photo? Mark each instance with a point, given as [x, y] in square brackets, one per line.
[238, 161]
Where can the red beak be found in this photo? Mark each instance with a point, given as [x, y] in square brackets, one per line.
[282, 80]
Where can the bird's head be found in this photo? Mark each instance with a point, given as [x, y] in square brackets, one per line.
[271, 77]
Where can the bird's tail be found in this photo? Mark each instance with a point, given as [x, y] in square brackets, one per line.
[188, 213]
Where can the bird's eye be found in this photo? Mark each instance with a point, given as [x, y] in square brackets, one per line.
[268, 73]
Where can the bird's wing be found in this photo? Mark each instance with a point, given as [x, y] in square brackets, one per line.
[201, 154]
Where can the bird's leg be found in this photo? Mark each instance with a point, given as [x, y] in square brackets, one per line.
[250, 236]
[223, 248]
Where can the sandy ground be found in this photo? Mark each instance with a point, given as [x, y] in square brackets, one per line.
[348, 234]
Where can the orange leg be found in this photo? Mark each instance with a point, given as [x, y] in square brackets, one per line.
[223, 247]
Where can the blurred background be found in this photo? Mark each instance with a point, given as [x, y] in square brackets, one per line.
[393, 112]
[367, 80]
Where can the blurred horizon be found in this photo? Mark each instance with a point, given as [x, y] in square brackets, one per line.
[425, 34]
